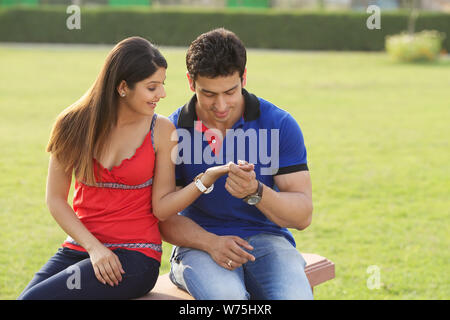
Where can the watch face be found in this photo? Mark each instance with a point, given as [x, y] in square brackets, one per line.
[253, 200]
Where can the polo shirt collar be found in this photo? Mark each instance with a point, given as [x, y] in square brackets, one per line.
[188, 114]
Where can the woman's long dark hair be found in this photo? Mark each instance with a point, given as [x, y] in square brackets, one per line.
[80, 132]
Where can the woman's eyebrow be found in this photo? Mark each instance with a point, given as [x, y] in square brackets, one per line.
[155, 81]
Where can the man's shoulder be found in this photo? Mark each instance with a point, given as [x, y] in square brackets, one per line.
[273, 114]
[174, 116]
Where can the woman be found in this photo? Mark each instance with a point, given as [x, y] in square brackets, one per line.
[117, 148]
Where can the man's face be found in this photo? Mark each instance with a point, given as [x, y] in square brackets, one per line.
[219, 100]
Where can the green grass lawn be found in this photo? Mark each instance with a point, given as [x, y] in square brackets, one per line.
[377, 135]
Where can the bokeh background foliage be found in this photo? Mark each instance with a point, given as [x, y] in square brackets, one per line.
[275, 29]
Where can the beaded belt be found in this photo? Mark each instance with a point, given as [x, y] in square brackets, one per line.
[114, 185]
[153, 246]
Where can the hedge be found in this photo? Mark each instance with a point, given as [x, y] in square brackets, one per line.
[339, 30]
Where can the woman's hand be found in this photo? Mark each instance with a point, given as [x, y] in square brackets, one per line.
[214, 173]
[107, 266]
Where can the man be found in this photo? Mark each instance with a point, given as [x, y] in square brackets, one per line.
[233, 241]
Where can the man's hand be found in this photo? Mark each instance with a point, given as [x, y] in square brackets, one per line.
[241, 180]
[228, 252]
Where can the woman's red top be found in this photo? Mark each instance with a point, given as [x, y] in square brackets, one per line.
[118, 210]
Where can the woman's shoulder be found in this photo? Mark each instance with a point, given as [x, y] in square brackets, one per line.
[163, 130]
[164, 124]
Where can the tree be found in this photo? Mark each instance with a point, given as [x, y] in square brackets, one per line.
[413, 6]
[321, 4]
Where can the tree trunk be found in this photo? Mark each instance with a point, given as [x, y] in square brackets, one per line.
[414, 13]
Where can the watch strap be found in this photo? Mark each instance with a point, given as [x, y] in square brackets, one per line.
[258, 193]
[199, 184]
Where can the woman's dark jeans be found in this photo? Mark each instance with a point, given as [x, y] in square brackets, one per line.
[69, 275]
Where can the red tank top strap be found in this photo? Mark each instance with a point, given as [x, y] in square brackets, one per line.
[152, 125]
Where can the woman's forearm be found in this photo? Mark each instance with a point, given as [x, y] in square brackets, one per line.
[71, 224]
[173, 202]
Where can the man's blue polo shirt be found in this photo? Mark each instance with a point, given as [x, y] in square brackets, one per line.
[266, 135]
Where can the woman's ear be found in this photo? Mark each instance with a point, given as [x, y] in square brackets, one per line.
[191, 82]
[122, 88]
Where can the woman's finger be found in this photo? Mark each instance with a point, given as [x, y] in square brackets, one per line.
[116, 268]
[112, 271]
[105, 274]
[98, 274]
[119, 264]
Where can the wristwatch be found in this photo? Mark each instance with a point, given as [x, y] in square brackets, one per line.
[256, 197]
[199, 184]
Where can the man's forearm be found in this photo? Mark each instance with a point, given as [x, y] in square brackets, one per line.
[286, 209]
[181, 231]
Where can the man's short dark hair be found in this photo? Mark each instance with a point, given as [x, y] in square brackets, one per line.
[216, 53]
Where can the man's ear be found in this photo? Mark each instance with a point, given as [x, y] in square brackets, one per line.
[244, 78]
[191, 82]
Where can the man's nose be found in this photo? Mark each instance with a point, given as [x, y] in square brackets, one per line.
[220, 104]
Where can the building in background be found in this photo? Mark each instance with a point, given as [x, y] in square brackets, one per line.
[436, 5]
[432, 5]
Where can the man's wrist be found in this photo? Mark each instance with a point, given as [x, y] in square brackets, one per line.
[255, 188]
[208, 240]
[255, 197]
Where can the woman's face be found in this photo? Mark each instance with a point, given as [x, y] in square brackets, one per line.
[143, 98]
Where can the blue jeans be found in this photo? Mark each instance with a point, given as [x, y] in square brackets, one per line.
[69, 275]
[278, 273]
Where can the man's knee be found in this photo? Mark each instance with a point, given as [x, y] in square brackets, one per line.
[224, 294]
[303, 292]
[214, 288]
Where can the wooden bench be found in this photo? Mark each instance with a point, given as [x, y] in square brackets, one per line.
[318, 270]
